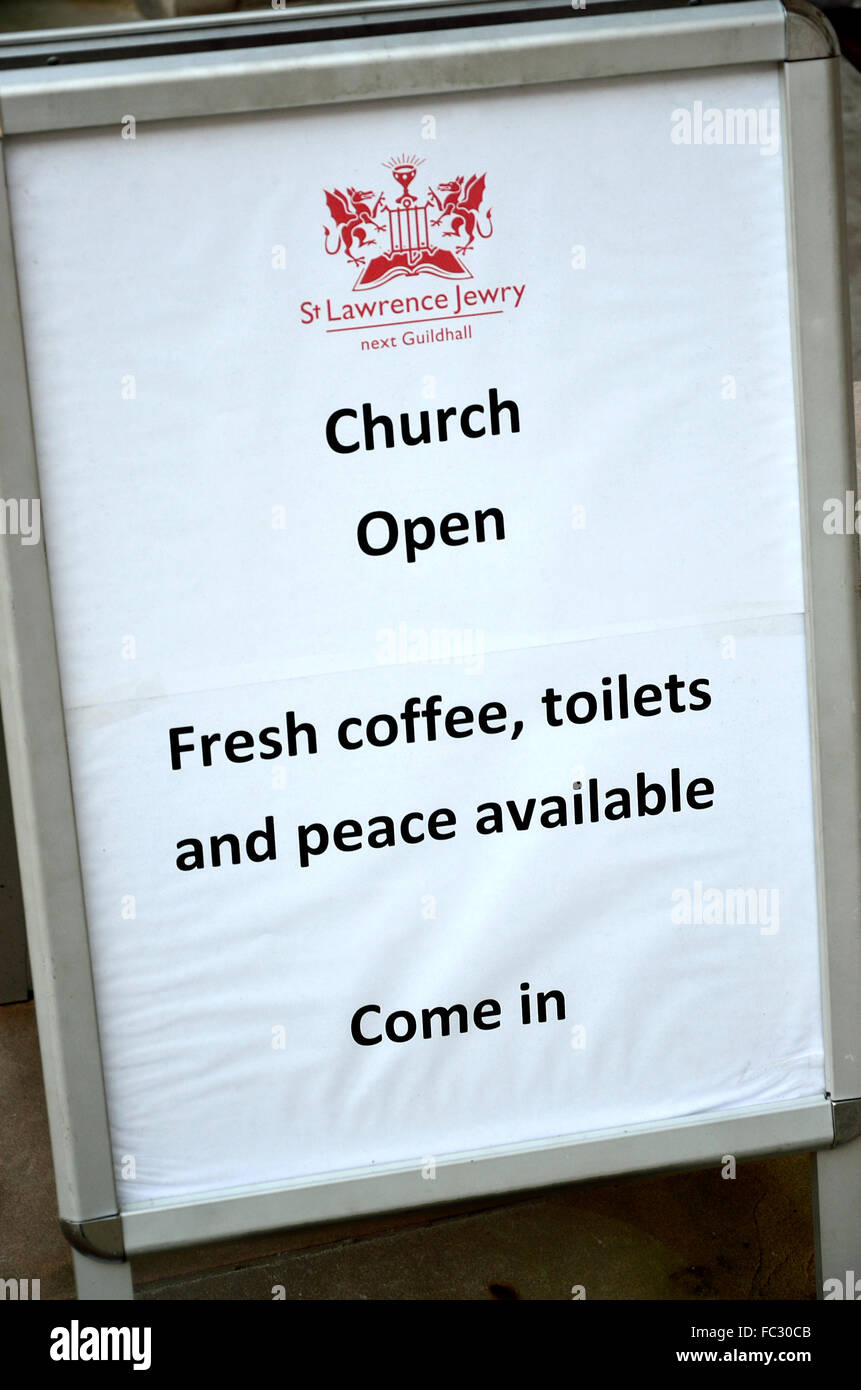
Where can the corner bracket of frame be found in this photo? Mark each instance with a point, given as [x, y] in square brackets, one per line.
[847, 1120]
[101, 1238]
[808, 32]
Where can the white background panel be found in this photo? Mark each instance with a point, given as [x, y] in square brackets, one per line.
[153, 259]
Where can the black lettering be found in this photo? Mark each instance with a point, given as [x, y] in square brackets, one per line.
[444, 1016]
[424, 437]
[391, 524]
[356, 1025]
[193, 855]
[371, 423]
[391, 1031]
[240, 738]
[490, 1010]
[332, 435]
[215, 843]
[465, 425]
[306, 848]
[177, 748]
[268, 834]
[693, 794]
[499, 522]
[699, 688]
[496, 408]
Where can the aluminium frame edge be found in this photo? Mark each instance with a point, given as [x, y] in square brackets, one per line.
[825, 431]
[208, 84]
[674, 1145]
[40, 782]
[808, 33]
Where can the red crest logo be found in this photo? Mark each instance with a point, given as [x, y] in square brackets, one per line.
[410, 250]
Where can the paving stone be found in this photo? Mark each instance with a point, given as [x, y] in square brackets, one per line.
[21, 15]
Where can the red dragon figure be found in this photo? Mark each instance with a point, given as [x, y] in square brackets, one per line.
[353, 216]
[461, 205]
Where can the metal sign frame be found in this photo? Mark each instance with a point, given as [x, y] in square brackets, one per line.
[314, 56]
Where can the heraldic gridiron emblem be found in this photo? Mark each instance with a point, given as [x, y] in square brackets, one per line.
[457, 203]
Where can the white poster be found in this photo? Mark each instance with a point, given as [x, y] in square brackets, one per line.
[421, 501]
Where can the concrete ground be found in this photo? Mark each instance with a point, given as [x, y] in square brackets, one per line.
[21, 15]
[694, 1236]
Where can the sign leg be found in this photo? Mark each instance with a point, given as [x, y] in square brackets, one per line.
[102, 1280]
[837, 1220]
[14, 969]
